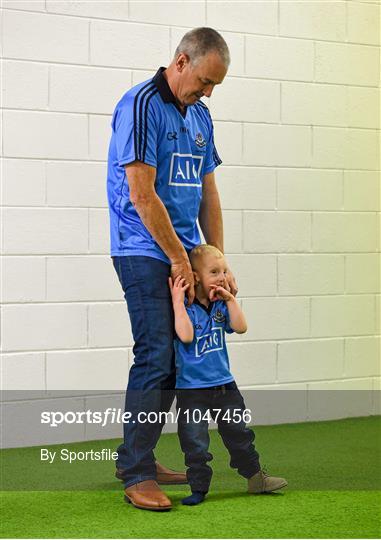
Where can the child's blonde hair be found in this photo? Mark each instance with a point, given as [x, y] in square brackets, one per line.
[198, 252]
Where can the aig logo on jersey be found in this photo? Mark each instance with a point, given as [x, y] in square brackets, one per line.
[209, 342]
[185, 170]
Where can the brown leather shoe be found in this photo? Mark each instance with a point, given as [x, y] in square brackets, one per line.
[163, 475]
[169, 476]
[147, 495]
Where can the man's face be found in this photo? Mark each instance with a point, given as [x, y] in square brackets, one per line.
[199, 80]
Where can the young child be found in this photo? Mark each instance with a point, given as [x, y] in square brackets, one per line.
[205, 387]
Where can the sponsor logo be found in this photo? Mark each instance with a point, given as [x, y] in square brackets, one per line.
[172, 135]
[218, 316]
[200, 141]
[185, 170]
[210, 342]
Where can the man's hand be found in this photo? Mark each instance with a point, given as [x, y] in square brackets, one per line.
[183, 269]
[178, 288]
[219, 293]
[231, 283]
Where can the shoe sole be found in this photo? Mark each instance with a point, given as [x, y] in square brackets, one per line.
[274, 489]
[120, 477]
[152, 508]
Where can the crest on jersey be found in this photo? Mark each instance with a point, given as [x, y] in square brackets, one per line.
[218, 316]
[199, 140]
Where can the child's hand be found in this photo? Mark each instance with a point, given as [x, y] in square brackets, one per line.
[177, 289]
[219, 293]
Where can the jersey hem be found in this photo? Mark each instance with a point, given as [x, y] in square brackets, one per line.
[139, 252]
[206, 385]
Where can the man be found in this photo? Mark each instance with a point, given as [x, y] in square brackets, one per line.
[160, 181]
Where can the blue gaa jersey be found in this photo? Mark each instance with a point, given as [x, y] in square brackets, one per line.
[204, 362]
[147, 126]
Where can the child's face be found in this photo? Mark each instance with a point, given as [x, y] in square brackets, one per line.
[211, 270]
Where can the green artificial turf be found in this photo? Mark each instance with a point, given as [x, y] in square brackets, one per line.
[333, 469]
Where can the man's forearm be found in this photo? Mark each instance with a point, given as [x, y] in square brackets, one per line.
[210, 214]
[155, 218]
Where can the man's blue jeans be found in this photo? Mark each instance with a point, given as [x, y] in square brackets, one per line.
[152, 377]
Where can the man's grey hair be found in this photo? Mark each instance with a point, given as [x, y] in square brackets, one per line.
[200, 41]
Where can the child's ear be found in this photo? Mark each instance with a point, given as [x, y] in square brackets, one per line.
[196, 278]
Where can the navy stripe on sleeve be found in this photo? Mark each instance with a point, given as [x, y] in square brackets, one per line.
[137, 100]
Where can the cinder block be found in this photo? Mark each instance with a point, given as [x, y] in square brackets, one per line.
[141, 76]
[76, 184]
[276, 318]
[362, 191]
[89, 90]
[246, 188]
[81, 278]
[111, 430]
[35, 36]
[310, 274]
[377, 299]
[235, 42]
[339, 399]
[377, 396]
[19, 76]
[45, 135]
[44, 231]
[120, 44]
[93, 8]
[99, 136]
[25, 372]
[362, 357]
[362, 273]
[25, 5]
[346, 64]
[192, 13]
[44, 327]
[345, 148]
[244, 17]
[310, 360]
[277, 145]
[23, 182]
[99, 232]
[102, 370]
[364, 23]
[291, 59]
[232, 231]
[253, 363]
[344, 231]
[255, 274]
[233, 100]
[109, 325]
[308, 189]
[267, 232]
[276, 404]
[314, 104]
[363, 107]
[228, 140]
[23, 279]
[350, 315]
[313, 20]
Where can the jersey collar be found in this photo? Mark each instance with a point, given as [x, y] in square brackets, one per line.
[165, 90]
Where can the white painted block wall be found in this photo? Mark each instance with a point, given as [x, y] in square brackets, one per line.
[297, 126]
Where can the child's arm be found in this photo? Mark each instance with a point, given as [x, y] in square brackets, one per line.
[183, 324]
[237, 318]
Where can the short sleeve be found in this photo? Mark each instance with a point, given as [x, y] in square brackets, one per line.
[135, 131]
[212, 159]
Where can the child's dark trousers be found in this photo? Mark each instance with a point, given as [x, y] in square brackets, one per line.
[229, 407]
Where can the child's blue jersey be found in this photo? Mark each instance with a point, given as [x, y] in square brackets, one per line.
[204, 362]
[147, 126]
